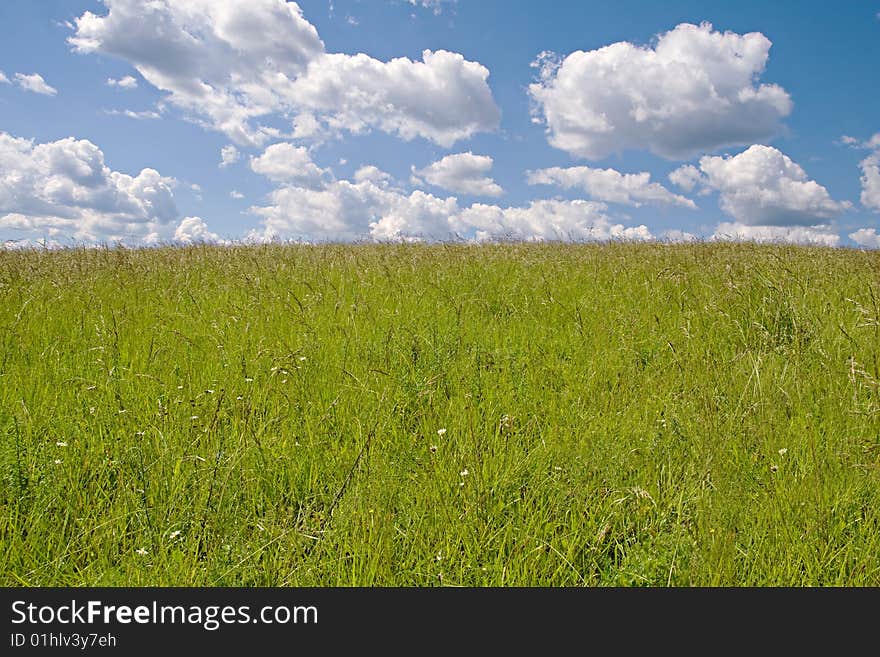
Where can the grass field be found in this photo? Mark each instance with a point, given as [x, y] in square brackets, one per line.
[493, 415]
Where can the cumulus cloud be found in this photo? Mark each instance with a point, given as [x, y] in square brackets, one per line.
[229, 64]
[463, 173]
[546, 220]
[870, 179]
[287, 163]
[194, 230]
[762, 186]
[373, 174]
[35, 83]
[64, 190]
[236, 194]
[610, 185]
[443, 97]
[819, 235]
[674, 235]
[695, 90]
[870, 166]
[228, 155]
[866, 237]
[350, 211]
[126, 82]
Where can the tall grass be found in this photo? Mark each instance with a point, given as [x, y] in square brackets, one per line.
[493, 415]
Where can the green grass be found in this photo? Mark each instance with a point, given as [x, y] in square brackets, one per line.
[615, 414]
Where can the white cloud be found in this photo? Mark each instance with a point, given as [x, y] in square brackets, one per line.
[675, 235]
[373, 174]
[230, 64]
[346, 211]
[127, 82]
[870, 166]
[35, 83]
[436, 6]
[287, 163]
[870, 179]
[228, 155]
[762, 186]
[138, 116]
[819, 235]
[546, 220]
[236, 194]
[694, 90]
[3, 78]
[443, 97]
[686, 177]
[610, 185]
[64, 190]
[866, 237]
[463, 173]
[194, 230]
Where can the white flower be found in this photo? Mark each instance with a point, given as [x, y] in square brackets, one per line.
[433, 448]
[174, 534]
[783, 451]
[248, 379]
[141, 551]
[193, 417]
[302, 358]
[58, 461]
[440, 432]
[61, 443]
[464, 473]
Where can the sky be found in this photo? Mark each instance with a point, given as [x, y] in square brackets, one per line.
[144, 122]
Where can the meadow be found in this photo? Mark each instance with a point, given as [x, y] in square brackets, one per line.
[509, 414]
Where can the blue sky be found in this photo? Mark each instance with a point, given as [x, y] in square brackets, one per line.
[640, 120]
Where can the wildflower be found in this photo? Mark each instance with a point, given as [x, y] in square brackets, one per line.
[239, 398]
[440, 432]
[774, 468]
[193, 417]
[302, 358]
[180, 387]
[58, 461]
[557, 468]
[140, 433]
[141, 551]
[464, 473]
[209, 391]
[174, 534]
[783, 451]
[248, 379]
[61, 443]
[433, 449]
[121, 411]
